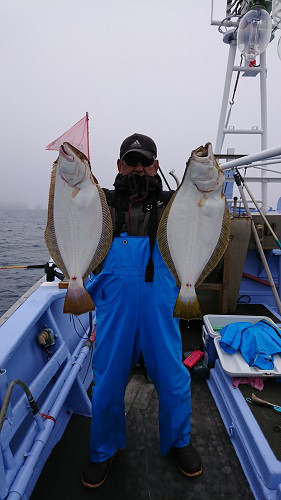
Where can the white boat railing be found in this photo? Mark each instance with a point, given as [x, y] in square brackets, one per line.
[250, 159]
[256, 179]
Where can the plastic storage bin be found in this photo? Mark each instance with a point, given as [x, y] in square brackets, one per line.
[209, 346]
[213, 323]
[233, 364]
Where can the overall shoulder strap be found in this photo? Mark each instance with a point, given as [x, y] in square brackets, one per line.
[165, 197]
[152, 231]
[120, 213]
[110, 197]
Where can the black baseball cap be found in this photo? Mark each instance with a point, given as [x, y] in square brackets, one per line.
[139, 143]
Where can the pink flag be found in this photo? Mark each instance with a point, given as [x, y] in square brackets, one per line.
[78, 136]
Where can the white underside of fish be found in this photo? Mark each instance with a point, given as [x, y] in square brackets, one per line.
[195, 231]
[78, 233]
[78, 225]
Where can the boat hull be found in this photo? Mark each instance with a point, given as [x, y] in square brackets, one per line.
[58, 383]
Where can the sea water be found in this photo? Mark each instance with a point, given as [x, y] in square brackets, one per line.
[21, 243]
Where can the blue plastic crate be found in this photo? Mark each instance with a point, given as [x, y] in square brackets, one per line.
[209, 346]
[258, 461]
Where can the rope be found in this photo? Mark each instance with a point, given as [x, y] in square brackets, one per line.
[233, 95]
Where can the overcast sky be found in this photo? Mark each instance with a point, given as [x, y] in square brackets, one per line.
[155, 67]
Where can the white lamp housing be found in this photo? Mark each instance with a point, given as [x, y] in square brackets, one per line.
[254, 33]
[276, 12]
[279, 48]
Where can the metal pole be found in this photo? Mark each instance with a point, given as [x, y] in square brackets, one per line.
[228, 78]
[263, 95]
[259, 210]
[246, 131]
[88, 140]
[257, 179]
[228, 187]
[279, 276]
[246, 160]
[265, 163]
[212, 10]
[258, 243]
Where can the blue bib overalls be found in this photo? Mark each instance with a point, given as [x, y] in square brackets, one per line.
[134, 316]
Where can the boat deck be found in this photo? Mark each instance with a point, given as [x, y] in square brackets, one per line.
[139, 472]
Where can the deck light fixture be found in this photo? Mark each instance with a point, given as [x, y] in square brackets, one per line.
[276, 12]
[276, 15]
[254, 30]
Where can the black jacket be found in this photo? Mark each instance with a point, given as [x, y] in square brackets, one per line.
[136, 204]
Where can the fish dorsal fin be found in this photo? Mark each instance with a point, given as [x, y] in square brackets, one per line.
[106, 233]
[163, 240]
[50, 233]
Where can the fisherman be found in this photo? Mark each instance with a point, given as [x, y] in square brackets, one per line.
[135, 294]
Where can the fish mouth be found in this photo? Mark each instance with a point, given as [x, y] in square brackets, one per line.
[203, 154]
[64, 153]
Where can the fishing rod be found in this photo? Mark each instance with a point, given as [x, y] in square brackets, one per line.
[257, 240]
[50, 269]
[172, 173]
[31, 266]
[258, 208]
[161, 172]
[265, 169]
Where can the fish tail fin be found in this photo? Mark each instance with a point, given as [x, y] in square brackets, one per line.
[77, 300]
[187, 304]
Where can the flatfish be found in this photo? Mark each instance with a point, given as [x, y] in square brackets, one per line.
[79, 228]
[194, 229]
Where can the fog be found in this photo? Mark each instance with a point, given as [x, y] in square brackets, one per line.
[155, 67]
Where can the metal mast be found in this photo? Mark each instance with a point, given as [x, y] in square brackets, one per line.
[248, 71]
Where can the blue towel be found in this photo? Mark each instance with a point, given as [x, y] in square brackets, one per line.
[232, 335]
[257, 343]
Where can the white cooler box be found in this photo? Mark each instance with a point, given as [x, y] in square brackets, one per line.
[233, 364]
